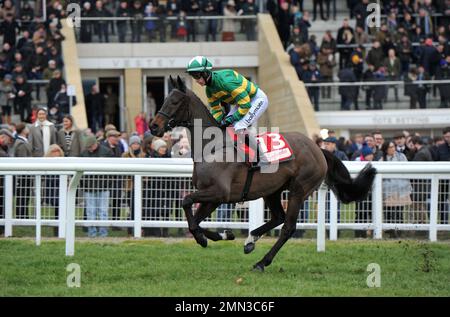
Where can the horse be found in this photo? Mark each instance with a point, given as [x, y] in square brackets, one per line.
[223, 182]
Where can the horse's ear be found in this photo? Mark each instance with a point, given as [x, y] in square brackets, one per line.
[181, 84]
[172, 82]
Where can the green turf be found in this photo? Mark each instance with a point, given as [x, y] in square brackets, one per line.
[179, 267]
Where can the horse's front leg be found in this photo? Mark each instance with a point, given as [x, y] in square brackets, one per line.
[194, 228]
[205, 210]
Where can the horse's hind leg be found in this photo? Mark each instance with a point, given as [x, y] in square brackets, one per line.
[203, 211]
[294, 204]
[277, 218]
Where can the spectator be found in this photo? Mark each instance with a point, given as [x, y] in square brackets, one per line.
[135, 151]
[422, 89]
[42, 134]
[211, 8]
[173, 9]
[443, 73]
[86, 26]
[345, 36]
[348, 93]
[369, 76]
[9, 28]
[51, 185]
[24, 183]
[312, 75]
[194, 9]
[22, 102]
[122, 12]
[69, 137]
[6, 139]
[330, 145]
[7, 96]
[422, 152]
[396, 192]
[326, 62]
[55, 116]
[54, 86]
[375, 56]
[405, 52]
[141, 124]
[100, 25]
[379, 91]
[393, 69]
[228, 28]
[137, 13]
[150, 25]
[95, 190]
[318, 3]
[62, 101]
[249, 8]
[400, 146]
[111, 105]
[443, 150]
[95, 105]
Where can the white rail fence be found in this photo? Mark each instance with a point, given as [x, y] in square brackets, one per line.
[147, 193]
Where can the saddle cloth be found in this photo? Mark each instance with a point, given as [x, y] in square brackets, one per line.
[273, 146]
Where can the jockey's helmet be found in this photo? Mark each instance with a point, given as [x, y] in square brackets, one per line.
[199, 64]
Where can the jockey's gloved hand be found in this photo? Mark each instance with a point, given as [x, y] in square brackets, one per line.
[223, 124]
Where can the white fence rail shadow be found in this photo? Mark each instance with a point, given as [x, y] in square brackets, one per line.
[145, 193]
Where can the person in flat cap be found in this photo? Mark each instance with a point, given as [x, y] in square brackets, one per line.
[330, 144]
[7, 95]
[6, 139]
[113, 143]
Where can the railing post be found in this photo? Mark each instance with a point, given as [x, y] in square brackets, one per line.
[38, 209]
[137, 206]
[321, 218]
[434, 207]
[333, 216]
[62, 206]
[255, 214]
[8, 200]
[377, 206]
[70, 213]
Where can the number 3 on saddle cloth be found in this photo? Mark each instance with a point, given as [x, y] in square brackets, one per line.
[273, 146]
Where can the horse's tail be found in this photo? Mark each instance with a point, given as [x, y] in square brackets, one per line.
[344, 187]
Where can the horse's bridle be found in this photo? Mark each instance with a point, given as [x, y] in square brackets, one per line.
[171, 123]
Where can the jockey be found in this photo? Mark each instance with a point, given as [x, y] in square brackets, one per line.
[227, 86]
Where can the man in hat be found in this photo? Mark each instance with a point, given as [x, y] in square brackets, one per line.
[96, 190]
[312, 75]
[6, 139]
[330, 144]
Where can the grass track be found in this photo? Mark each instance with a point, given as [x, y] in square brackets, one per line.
[179, 267]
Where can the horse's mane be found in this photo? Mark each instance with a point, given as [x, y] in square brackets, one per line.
[203, 110]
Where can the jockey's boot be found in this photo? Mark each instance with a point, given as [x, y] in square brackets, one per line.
[255, 155]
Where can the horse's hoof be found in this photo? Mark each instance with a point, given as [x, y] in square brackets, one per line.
[249, 247]
[230, 234]
[202, 241]
[258, 267]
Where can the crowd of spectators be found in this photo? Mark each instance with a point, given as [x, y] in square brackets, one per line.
[158, 20]
[103, 196]
[412, 43]
[398, 194]
[31, 50]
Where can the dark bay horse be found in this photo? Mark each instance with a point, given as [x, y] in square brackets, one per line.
[223, 182]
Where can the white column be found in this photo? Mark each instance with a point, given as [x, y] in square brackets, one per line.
[255, 214]
[377, 206]
[321, 218]
[38, 208]
[70, 213]
[62, 205]
[333, 216]
[434, 207]
[137, 206]
[8, 199]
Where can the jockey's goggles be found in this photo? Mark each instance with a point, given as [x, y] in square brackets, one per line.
[196, 75]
